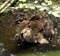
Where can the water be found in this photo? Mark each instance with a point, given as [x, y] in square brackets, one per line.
[50, 53]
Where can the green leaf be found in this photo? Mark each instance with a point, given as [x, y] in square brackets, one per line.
[32, 6]
[55, 14]
[21, 5]
[22, 0]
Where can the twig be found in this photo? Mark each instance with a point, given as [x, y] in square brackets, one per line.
[6, 5]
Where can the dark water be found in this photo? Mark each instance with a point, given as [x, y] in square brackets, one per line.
[7, 32]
